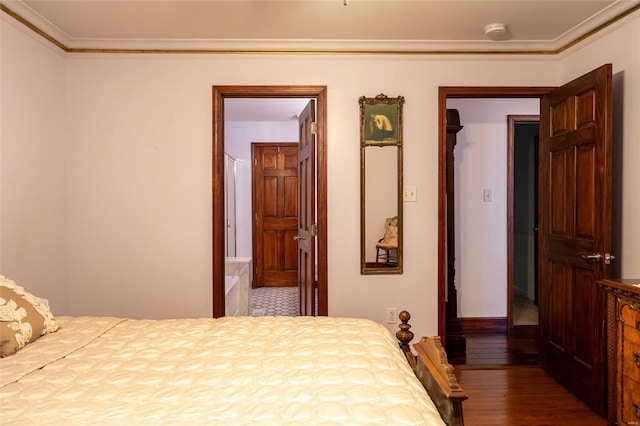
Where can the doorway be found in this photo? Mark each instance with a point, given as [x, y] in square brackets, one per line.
[574, 220]
[522, 207]
[275, 214]
[460, 93]
[220, 93]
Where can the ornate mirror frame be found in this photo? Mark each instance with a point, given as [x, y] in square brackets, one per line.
[381, 219]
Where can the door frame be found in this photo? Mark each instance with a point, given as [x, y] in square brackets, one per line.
[445, 92]
[512, 120]
[220, 93]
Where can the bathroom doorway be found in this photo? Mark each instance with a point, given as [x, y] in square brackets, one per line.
[220, 94]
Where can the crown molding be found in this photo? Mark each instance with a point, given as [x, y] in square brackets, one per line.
[36, 22]
[607, 16]
[25, 15]
[307, 46]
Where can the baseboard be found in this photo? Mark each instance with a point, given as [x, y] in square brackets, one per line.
[484, 324]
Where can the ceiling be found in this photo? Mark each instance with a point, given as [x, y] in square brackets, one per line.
[263, 109]
[361, 26]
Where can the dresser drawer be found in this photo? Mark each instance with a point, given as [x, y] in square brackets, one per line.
[630, 316]
[630, 402]
[630, 353]
[623, 342]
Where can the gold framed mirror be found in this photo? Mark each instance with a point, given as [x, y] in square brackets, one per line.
[381, 185]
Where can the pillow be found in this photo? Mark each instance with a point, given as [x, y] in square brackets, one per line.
[23, 318]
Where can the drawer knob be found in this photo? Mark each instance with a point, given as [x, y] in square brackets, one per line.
[637, 325]
[636, 359]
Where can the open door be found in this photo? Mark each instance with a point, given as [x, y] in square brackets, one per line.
[307, 210]
[575, 231]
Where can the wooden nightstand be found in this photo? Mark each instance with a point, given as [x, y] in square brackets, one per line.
[623, 350]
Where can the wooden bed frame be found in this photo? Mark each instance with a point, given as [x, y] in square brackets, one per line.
[434, 372]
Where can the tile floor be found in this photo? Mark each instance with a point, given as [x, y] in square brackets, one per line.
[273, 301]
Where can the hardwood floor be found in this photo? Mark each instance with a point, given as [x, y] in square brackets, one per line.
[506, 386]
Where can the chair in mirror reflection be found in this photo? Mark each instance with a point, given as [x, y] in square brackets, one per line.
[387, 246]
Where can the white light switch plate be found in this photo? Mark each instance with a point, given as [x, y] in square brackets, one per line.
[410, 193]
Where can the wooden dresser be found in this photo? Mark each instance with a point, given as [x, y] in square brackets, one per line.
[623, 349]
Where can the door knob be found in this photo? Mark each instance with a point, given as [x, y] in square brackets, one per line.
[299, 237]
[593, 257]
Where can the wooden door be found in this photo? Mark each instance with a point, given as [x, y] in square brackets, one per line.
[575, 231]
[275, 210]
[307, 218]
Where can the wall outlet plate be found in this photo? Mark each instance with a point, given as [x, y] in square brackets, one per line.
[392, 315]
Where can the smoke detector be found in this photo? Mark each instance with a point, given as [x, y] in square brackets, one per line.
[495, 31]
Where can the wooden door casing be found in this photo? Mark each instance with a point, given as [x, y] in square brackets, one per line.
[275, 209]
[219, 95]
[451, 92]
[575, 221]
[307, 216]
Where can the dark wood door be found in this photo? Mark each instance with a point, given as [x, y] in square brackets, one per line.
[307, 218]
[575, 232]
[275, 209]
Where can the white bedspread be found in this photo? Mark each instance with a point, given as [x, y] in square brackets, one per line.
[230, 371]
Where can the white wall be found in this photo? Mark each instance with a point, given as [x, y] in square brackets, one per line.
[481, 227]
[139, 193]
[139, 170]
[140, 174]
[33, 215]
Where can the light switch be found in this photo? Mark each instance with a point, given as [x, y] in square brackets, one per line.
[410, 193]
[486, 195]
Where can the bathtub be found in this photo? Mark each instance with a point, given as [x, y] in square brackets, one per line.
[240, 267]
[231, 293]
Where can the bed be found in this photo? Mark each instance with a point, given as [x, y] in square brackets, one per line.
[237, 371]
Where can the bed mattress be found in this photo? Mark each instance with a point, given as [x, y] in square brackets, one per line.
[236, 371]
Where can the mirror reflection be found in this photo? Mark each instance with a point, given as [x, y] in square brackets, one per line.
[381, 185]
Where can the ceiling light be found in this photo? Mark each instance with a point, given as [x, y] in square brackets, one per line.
[495, 31]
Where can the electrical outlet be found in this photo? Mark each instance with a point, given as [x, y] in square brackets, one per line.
[392, 315]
